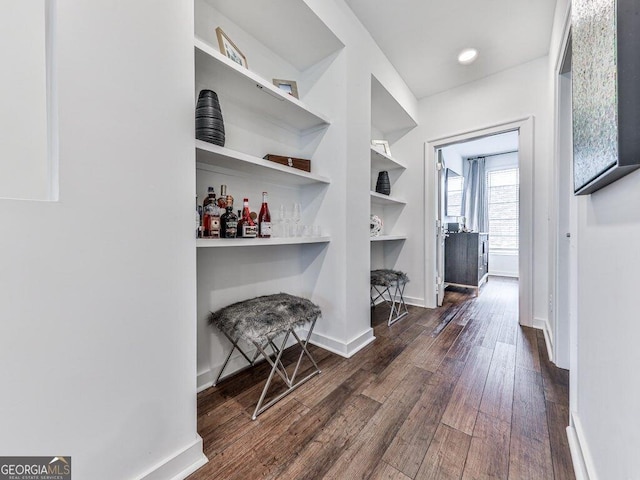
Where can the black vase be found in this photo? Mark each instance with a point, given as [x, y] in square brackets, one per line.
[209, 124]
[383, 185]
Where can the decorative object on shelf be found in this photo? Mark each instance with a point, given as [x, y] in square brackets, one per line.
[289, 86]
[375, 226]
[209, 123]
[299, 163]
[229, 48]
[381, 146]
[383, 185]
[606, 105]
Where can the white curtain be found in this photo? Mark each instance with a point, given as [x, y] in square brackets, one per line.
[474, 200]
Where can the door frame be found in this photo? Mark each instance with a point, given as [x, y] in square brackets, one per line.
[563, 348]
[525, 127]
[440, 229]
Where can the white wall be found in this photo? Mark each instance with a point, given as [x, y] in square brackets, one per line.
[24, 169]
[506, 96]
[608, 330]
[97, 290]
[604, 393]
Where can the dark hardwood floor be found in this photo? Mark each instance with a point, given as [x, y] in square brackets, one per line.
[461, 391]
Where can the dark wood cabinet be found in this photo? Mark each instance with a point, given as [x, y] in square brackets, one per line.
[466, 259]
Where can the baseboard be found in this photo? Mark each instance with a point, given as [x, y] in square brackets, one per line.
[414, 301]
[583, 465]
[503, 274]
[180, 465]
[543, 324]
[344, 349]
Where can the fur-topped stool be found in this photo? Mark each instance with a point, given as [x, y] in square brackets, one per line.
[259, 321]
[385, 280]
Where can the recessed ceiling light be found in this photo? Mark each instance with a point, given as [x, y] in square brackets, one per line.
[467, 56]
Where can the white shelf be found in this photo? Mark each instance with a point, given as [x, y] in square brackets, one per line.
[243, 87]
[384, 238]
[379, 199]
[257, 242]
[292, 30]
[255, 166]
[381, 161]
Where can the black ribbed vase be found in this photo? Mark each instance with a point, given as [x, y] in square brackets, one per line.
[383, 185]
[209, 124]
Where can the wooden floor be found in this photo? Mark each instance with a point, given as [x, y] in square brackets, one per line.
[458, 392]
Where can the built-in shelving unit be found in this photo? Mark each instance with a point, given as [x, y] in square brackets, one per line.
[380, 199]
[389, 121]
[257, 242]
[215, 155]
[385, 238]
[381, 161]
[248, 90]
[260, 119]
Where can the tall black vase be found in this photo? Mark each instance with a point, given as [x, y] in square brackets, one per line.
[209, 124]
[383, 185]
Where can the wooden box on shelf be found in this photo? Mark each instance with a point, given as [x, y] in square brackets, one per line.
[299, 163]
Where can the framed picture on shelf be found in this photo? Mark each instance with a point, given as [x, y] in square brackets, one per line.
[289, 86]
[381, 146]
[228, 48]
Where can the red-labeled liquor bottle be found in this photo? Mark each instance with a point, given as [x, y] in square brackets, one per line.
[247, 228]
[229, 221]
[264, 219]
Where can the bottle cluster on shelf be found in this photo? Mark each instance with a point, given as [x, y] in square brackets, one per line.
[216, 218]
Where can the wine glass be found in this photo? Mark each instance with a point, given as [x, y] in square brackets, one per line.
[295, 217]
[282, 223]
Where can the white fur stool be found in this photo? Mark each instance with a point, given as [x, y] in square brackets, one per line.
[385, 280]
[259, 321]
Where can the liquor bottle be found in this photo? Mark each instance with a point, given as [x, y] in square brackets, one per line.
[229, 221]
[247, 228]
[210, 198]
[222, 199]
[211, 215]
[198, 219]
[264, 219]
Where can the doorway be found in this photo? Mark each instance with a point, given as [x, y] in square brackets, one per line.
[478, 212]
[435, 173]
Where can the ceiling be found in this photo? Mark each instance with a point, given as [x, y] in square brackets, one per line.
[422, 38]
[486, 146]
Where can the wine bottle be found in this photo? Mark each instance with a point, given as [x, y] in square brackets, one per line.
[229, 221]
[264, 219]
[247, 228]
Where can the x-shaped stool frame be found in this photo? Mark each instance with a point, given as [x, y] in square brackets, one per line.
[276, 364]
[396, 304]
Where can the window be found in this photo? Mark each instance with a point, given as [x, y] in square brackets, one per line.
[503, 191]
[454, 194]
